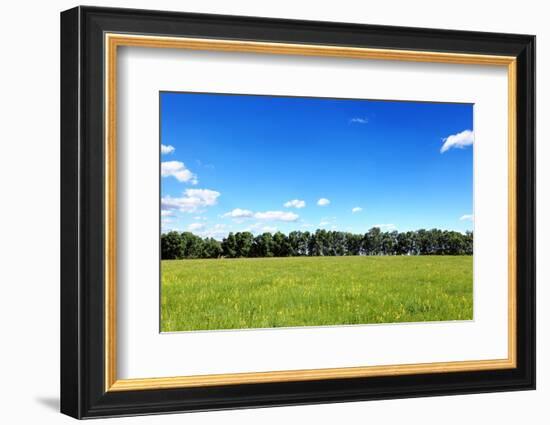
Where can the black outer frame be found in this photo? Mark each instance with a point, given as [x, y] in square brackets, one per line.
[82, 206]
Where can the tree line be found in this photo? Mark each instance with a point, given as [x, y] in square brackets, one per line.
[176, 245]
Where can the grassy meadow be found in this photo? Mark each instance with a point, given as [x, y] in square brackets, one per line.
[314, 291]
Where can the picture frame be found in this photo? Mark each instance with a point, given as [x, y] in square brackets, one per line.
[90, 40]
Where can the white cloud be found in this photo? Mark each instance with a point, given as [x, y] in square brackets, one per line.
[166, 149]
[386, 227]
[178, 170]
[253, 227]
[258, 228]
[167, 227]
[326, 221]
[198, 217]
[270, 229]
[276, 216]
[196, 226]
[218, 231]
[295, 203]
[323, 202]
[359, 120]
[192, 200]
[467, 217]
[169, 224]
[238, 213]
[356, 209]
[459, 140]
[166, 213]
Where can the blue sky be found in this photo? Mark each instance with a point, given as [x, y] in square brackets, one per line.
[264, 163]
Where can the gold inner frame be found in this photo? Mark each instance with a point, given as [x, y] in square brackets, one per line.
[113, 41]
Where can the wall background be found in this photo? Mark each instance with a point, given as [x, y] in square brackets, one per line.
[29, 213]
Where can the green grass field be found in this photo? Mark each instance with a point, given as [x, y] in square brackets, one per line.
[314, 291]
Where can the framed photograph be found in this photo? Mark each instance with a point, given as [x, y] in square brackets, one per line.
[261, 212]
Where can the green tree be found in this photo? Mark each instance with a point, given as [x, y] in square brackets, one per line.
[263, 245]
[229, 246]
[389, 242]
[405, 243]
[469, 243]
[212, 248]
[372, 241]
[281, 245]
[455, 243]
[313, 248]
[293, 242]
[171, 247]
[244, 241]
[321, 242]
[192, 245]
[354, 244]
[337, 243]
[176, 245]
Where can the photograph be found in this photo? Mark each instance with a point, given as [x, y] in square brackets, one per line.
[286, 211]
